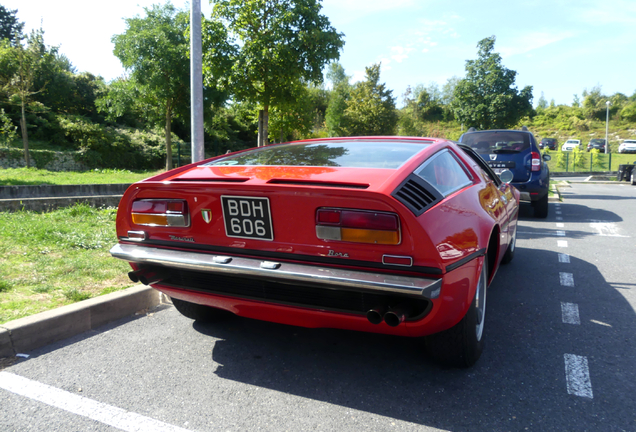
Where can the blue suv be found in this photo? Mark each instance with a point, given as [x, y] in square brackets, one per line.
[517, 151]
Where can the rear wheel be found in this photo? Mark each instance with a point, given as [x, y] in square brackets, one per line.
[633, 177]
[462, 344]
[541, 207]
[199, 312]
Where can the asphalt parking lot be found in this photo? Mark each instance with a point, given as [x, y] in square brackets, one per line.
[560, 355]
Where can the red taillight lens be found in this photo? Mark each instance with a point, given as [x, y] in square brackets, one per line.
[536, 161]
[358, 226]
[155, 212]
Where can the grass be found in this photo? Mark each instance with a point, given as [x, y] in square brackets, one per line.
[587, 162]
[53, 259]
[35, 176]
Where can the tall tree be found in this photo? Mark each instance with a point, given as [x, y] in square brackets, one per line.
[154, 49]
[487, 98]
[340, 92]
[371, 107]
[273, 44]
[10, 27]
[19, 65]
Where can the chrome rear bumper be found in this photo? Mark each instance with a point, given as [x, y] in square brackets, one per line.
[285, 272]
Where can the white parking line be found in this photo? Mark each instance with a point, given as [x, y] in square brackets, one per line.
[560, 233]
[562, 243]
[577, 375]
[566, 279]
[110, 415]
[564, 258]
[558, 218]
[558, 212]
[560, 225]
[570, 313]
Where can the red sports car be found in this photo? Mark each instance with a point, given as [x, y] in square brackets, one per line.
[390, 235]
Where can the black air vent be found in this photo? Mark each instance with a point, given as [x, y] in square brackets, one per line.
[416, 194]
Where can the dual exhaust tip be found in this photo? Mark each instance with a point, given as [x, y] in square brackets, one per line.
[146, 277]
[393, 317]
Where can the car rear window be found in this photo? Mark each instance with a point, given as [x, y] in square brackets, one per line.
[497, 142]
[352, 154]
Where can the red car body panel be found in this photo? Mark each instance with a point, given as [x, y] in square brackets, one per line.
[447, 241]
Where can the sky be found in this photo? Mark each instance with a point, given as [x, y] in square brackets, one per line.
[559, 47]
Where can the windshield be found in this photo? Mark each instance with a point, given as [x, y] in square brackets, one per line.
[497, 142]
[352, 154]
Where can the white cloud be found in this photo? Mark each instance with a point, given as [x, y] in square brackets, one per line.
[531, 41]
[365, 7]
[400, 53]
[604, 12]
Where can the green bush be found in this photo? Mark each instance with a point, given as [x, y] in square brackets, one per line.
[108, 147]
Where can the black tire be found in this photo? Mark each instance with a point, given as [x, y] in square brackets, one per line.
[541, 207]
[462, 345]
[510, 252]
[633, 178]
[199, 312]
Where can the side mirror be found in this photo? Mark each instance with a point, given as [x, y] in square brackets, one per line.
[506, 176]
[547, 157]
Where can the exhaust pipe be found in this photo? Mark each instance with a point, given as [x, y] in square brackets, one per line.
[376, 315]
[396, 316]
[134, 275]
[150, 277]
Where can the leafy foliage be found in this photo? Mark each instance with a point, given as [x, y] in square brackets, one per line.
[371, 107]
[10, 27]
[487, 98]
[271, 46]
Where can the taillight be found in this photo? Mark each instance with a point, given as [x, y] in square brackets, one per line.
[358, 226]
[158, 212]
[536, 161]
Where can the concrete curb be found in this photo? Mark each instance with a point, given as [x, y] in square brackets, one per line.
[28, 333]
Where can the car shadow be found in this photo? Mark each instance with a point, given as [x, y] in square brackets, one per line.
[518, 384]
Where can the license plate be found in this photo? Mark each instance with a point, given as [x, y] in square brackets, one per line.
[247, 217]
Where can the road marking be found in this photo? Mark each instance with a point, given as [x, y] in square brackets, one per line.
[558, 212]
[577, 375]
[559, 218]
[570, 313]
[560, 225]
[564, 258]
[567, 279]
[562, 243]
[560, 233]
[606, 229]
[107, 414]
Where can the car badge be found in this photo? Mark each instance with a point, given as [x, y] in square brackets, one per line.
[493, 157]
[207, 215]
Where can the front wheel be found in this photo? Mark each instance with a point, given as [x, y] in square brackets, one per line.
[633, 178]
[541, 207]
[462, 345]
[199, 312]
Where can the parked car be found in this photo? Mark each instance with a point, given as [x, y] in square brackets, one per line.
[391, 235]
[517, 151]
[597, 143]
[571, 144]
[627, 146]
[548, 143]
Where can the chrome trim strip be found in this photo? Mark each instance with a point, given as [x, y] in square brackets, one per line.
[328, 277]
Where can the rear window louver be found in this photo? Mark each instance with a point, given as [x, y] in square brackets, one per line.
[417, 194]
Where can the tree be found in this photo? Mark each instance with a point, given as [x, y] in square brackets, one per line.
[340, 93]
[371, 107]
[487, 97]
[19, 66]
[154, 49]
[542, 103]
[273, 44]
[10, 27]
